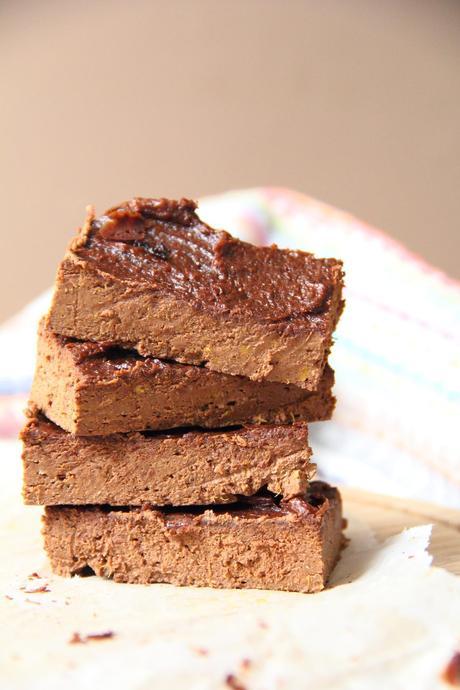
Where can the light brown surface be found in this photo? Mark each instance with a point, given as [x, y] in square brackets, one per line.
[387, 516]
[184, 468]
[90, 392]
[356, 103]
[288, 548]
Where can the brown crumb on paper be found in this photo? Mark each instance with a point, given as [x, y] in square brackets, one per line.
[101, 636]
[201, 651]
[35, 585]
[35, 589]
[246, 663]
[83, 639]
[451, 673]
[76, 639]
[233, 682]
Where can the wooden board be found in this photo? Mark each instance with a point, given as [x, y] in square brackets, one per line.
[387, 516]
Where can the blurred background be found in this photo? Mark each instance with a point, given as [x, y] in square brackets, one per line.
[356, 103]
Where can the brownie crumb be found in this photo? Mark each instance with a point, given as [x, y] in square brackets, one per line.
[31, 589]
[76, 639]
[233, 682]
[35, 587]
[201, 651]
[79, 639]
[246, 663]
[451, 673]
[101, 636]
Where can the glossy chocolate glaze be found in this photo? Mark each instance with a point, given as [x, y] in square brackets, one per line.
[85, 351]
[163, 245]
[262, 505]
[103, 360]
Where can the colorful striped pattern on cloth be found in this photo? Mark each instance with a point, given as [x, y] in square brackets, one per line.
[396, 354]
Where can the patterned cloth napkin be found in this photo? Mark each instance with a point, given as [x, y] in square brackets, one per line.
[396, 354]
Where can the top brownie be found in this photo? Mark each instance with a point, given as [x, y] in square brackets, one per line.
[150, 275]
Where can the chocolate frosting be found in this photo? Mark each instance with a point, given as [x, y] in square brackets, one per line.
[163, 245]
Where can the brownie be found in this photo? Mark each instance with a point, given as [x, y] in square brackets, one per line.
[93, 389]
[178, 468]
[261, 542]
[149, 275]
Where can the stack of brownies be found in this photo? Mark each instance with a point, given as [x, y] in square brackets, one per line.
[167, 434]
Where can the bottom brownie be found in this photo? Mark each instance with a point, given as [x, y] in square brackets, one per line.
[261, 542]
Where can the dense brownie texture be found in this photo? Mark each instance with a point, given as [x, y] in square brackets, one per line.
[92, 389]
[149, 275]
[179, 468]
[260, 543]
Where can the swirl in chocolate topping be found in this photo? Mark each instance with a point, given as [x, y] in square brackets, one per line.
[164, 244]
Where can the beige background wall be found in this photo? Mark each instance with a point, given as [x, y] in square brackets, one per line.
[356, 102]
